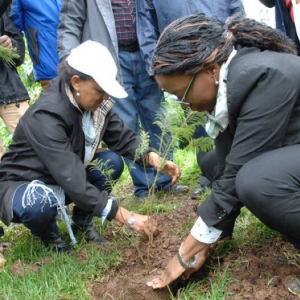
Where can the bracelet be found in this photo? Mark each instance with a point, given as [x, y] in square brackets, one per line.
[130, 221]
[183, 263]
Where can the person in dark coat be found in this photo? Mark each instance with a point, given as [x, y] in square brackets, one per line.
[245, 76]
[13, 94]
[48, 162]
[4, 5]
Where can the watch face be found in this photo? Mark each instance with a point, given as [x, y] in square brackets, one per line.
[130, 223]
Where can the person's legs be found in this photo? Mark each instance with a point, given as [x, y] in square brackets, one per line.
[128, 110]
[38, 215]
[269, 186]
[150, 99]
[2, 150]
[11, 113]
[207, 163]
[111, 168]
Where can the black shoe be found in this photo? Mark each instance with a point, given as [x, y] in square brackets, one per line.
[57, 244]
[90, 234]
[197, 193]
[178, 189]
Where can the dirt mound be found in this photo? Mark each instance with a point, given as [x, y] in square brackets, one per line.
[263, 271]
[259, 272]
[129, 281]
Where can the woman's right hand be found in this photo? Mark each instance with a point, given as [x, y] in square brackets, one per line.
[140, 223]
[144, 225]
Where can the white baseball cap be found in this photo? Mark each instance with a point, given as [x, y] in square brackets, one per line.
[93, 59]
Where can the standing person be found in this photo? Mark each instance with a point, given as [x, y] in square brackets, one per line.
[39, 21]
[112, 23]
[246, 77]
[54, 143]
[13, 94]
[284, 18]
[153, 16]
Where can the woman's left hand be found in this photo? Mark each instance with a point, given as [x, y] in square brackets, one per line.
[169, 168]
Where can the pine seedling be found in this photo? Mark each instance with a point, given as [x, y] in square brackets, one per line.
[8, 55]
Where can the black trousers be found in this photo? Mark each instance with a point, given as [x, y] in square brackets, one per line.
[269, 186]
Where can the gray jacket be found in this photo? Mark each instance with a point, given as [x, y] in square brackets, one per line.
[82, 20]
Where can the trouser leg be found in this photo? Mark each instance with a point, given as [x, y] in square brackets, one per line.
[269, 186]
[11, 113]
[208, 165]
[2, 150]
[37, 213]
[104, 178]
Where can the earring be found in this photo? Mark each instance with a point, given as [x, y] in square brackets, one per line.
[216, 81]
[78, 93]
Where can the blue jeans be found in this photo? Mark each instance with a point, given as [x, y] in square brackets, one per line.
[142, 104]
[39, 218]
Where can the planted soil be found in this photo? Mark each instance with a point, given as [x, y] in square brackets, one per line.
[258, 271]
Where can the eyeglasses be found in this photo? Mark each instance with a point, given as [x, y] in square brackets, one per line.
[182, 100]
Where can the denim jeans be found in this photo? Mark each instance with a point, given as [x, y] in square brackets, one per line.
[39, 218]
[142, 104]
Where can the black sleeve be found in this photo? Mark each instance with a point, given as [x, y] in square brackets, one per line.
[13, 33]
[261, 127]
[121, 139]
[46, 131]
[3, 6]
[268, 3]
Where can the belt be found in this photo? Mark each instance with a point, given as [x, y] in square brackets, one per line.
[130, 47]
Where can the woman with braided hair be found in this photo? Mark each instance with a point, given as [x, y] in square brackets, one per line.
[246, 77]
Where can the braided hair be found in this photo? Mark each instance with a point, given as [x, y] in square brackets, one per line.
[193, 43]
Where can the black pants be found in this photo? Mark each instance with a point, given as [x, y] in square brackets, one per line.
[269, 186]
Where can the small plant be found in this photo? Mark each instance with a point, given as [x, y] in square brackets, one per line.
[8, 55]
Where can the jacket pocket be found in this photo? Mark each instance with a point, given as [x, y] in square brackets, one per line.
[33, 44]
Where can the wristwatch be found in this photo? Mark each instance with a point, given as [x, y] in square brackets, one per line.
[130, 221]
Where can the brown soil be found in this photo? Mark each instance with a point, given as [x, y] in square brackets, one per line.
[258, 272]
[263, 271]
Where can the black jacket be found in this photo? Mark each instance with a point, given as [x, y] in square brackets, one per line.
[12, 89]
[48, 145]
[4, 5]
[263, 95]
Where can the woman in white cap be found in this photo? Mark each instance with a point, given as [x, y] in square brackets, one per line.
[46, 166]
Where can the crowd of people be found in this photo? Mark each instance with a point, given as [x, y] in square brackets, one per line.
[104, 67]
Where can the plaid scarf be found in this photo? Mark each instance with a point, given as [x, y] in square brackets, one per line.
[97, 119]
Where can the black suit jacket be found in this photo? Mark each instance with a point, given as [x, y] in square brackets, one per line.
[263, 94]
